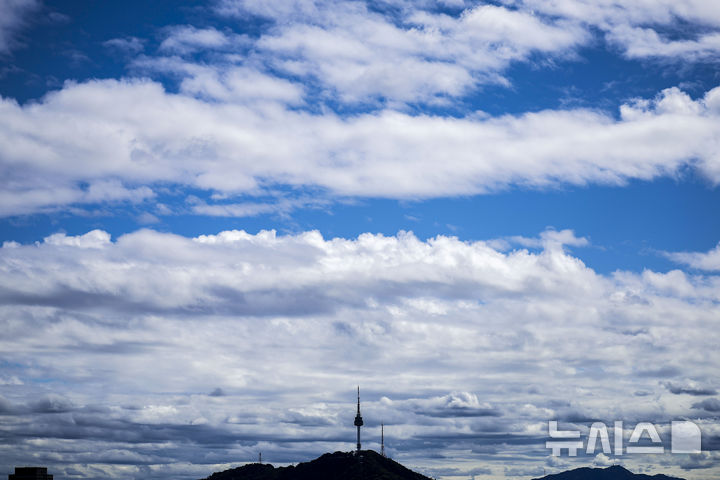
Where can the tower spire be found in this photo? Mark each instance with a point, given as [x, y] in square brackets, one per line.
[358, 420]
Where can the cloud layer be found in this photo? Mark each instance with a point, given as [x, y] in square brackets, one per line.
[164, 351]
[153, 355]
[332, 97]
[125, 138]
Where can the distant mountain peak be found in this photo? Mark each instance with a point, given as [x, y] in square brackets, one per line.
[615, 472]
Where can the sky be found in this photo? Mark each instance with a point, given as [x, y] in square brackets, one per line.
[218, 218]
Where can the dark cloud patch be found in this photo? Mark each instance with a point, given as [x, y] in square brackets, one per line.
[225, 301]
[116, 347]
[710, 443]
[483, 438]
[689, 389]
[459, 411]
[485, 450]
[665, 371]
[709, 405]
[265, 303]
[6, 406]
[697, 462]
[573, 415]
[82, 426]
[52, 404]
[47, 404]
[64, 297]
[77, 426]
[344, 328]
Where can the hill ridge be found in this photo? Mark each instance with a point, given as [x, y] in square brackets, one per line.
[329, 466]
[373, 466]
[614, 472]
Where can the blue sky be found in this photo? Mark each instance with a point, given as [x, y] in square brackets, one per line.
[406, 182]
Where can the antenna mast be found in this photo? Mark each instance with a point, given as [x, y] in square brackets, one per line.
[358, 422]
[382, 439]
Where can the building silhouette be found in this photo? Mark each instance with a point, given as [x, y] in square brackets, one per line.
[30, 473]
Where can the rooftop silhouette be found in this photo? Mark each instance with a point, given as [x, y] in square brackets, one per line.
[30, 473]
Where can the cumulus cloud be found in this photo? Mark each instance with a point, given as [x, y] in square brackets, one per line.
[414, 55]
[127, 136]
[93, 239]
[169, 350]
[602, 460]
[411, 265]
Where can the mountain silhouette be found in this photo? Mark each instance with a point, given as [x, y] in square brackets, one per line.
[616, 472]
[331, 466]
[373, 466]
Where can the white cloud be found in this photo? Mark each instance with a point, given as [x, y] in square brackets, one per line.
[127, 45]
[449, 340]
[605, 12]
[12, 380]
[645, 42]
[186, 39]
[241, 84]
[399, 52]
[549, 239]
[420, 57]
[280, 206]
[636, 27]
[235, 209]
[224, 82]
[602, 460]
[93, 239]
[125, 136]
[708, 261]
